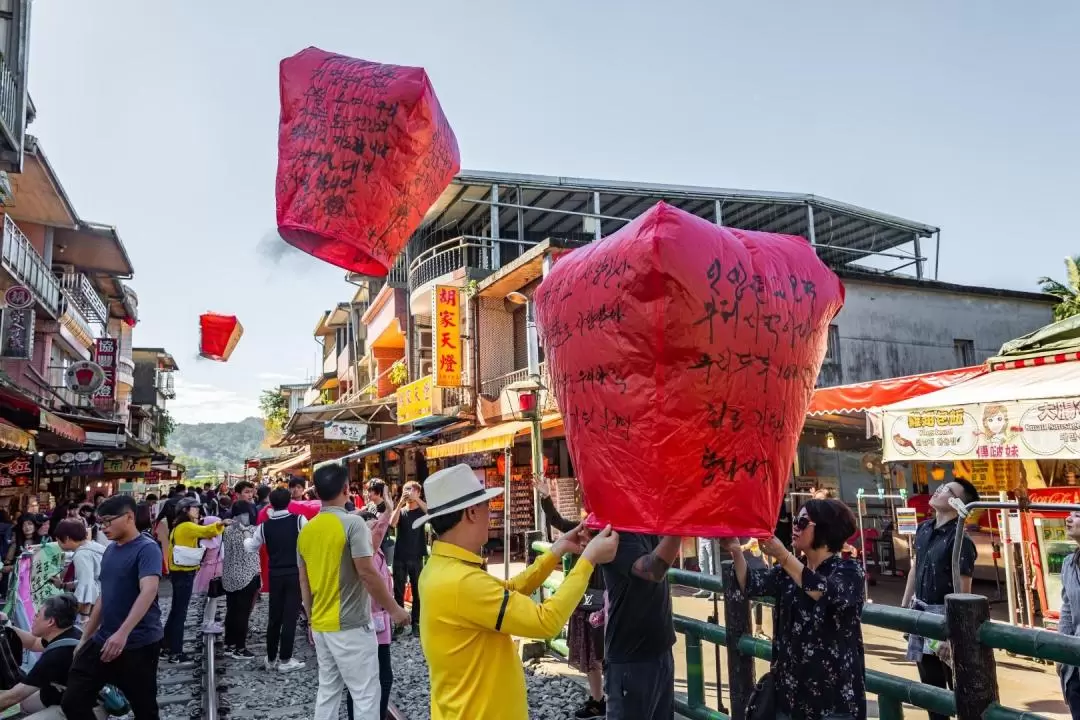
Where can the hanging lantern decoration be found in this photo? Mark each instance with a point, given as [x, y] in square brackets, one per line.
[218, 335]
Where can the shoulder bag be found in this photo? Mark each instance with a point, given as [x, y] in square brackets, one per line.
[183, 556]
[762, 704]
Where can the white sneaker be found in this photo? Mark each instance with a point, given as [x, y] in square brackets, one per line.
[290, 665]
[270, 664]
[213, 628]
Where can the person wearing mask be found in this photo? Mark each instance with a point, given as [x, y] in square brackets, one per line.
[240, 579]
[338, 578]
[930, 578]
[54, 634]
[1069, 621]
[279, 533]
[184, 562]
[379, 502]
[410, 547]
[818, 664]
[297, 488]
[122, 638]
[470, 616]
[86, 559]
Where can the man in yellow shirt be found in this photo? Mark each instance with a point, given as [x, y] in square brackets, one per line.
[470, 616]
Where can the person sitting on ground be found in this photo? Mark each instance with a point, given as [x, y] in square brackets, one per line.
[470, 617]
[72, 536]
[54, 635]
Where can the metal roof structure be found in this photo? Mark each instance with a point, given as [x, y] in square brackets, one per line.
[530, 208]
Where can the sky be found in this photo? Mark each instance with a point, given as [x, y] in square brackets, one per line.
[161, 119]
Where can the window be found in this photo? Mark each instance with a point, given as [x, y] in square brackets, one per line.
[832, 352]
[965, 352]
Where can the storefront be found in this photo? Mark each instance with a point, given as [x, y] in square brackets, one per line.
[18, 453]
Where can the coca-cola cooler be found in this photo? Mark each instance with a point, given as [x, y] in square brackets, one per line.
[1044, 536]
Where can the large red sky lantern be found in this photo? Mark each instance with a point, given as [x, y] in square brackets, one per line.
[363, 151]
[683, 356]
[218, 335]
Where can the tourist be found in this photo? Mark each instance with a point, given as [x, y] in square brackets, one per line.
[379, 502]
[471, 617]
[184, 562]
[122, 638]
[817, 661]
[1070, 615]
[240, 579]
[410, 548]
[208, 578]
[707, 563]
[380, 617]
[22, 539]
[279, 534]
[297, 488]
[930, 578]
[337, 579]
[639, 635]
[86, 559]
[53, 634]
[262, 498]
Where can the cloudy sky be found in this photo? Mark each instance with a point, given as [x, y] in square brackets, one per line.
[161, 119]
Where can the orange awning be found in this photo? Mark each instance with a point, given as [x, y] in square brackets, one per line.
[860, 397]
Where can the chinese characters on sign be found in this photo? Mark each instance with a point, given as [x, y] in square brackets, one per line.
[127, 464]
[105, 355]
[414, 401]
[446, 335]
[1027, 430]
[16, 333]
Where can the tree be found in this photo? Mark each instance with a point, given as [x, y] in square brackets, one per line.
[1068, 293]
[275, 410]
[166, 426]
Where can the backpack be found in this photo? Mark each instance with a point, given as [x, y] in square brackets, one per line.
[111, 699]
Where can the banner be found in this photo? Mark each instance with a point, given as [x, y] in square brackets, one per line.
[1022, 430]
[328, 450]
[355, 432]
[414, 401]
[78, 464]
[17, 333]
[446, 335]
[105, 353]
[127, 464]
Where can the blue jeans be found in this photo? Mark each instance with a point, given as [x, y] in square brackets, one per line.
[182, 583]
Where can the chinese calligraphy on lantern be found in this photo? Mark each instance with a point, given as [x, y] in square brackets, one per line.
[446, 335]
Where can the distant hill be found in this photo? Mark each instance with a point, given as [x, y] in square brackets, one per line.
[217, 447]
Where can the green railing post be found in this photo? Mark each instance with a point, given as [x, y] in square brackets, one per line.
[737, 623]
[890, 708]
[976, 671]
[695, 672]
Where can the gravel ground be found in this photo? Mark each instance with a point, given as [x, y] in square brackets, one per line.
[253, 692]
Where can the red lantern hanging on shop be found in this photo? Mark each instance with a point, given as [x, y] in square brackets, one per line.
[218, 335]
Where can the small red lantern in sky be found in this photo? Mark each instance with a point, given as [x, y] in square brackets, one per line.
[218, 335]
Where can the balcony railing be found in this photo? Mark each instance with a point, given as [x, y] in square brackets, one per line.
[493, 388]
[446, 257]
[166, 384]
[19, 258]
[80, 292]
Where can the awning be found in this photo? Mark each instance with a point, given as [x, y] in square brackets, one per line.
[861, 397]
[394, 442]
[1028, 413]
[61, 427]
[290, 463]
[316, 416]
[12, 438]
[488, 439]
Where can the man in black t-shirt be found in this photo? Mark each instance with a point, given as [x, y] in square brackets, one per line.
[639, 666]
[410, 548]
[54, 635]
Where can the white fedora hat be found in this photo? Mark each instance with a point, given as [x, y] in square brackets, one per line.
[453, 489]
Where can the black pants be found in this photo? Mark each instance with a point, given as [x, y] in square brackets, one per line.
[134, 673]
[238, 607]
[934, 672]
[641, 690]
[1072, 695]
[182, 582]
[284, 609]
[386, 679]
[408, 570]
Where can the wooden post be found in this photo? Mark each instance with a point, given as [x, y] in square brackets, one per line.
[974, 668]
[737, 621]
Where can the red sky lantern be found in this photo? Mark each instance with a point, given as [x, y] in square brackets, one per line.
[218, 335]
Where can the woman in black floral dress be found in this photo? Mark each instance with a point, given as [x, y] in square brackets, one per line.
[818, 664]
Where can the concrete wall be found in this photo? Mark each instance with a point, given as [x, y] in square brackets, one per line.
[889, 330]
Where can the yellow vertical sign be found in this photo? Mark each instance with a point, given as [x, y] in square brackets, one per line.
[446, 335]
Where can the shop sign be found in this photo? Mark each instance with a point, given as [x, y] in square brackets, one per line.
[84, 377]
[105, 353]
[18, 297]
[414, 401]
[127, 464]
[1027, 430]
[131, 488]
[355, 432]
[446, 335]
[328, 450]
[15, 473]
[988, 476]
[81, 464]
[17, 333]
[1055, 496]
[907, 520]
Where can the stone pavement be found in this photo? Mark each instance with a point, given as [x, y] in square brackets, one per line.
[1023, 684]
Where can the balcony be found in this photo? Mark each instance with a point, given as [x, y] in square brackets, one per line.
[79, 293]
[18, 257]
[165, 384]
[125, 371]
[466, 251]
[495, 388]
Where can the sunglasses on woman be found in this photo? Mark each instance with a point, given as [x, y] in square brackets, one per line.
[802, 522]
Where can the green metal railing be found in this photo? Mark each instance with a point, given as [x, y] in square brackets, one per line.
[966, 624]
